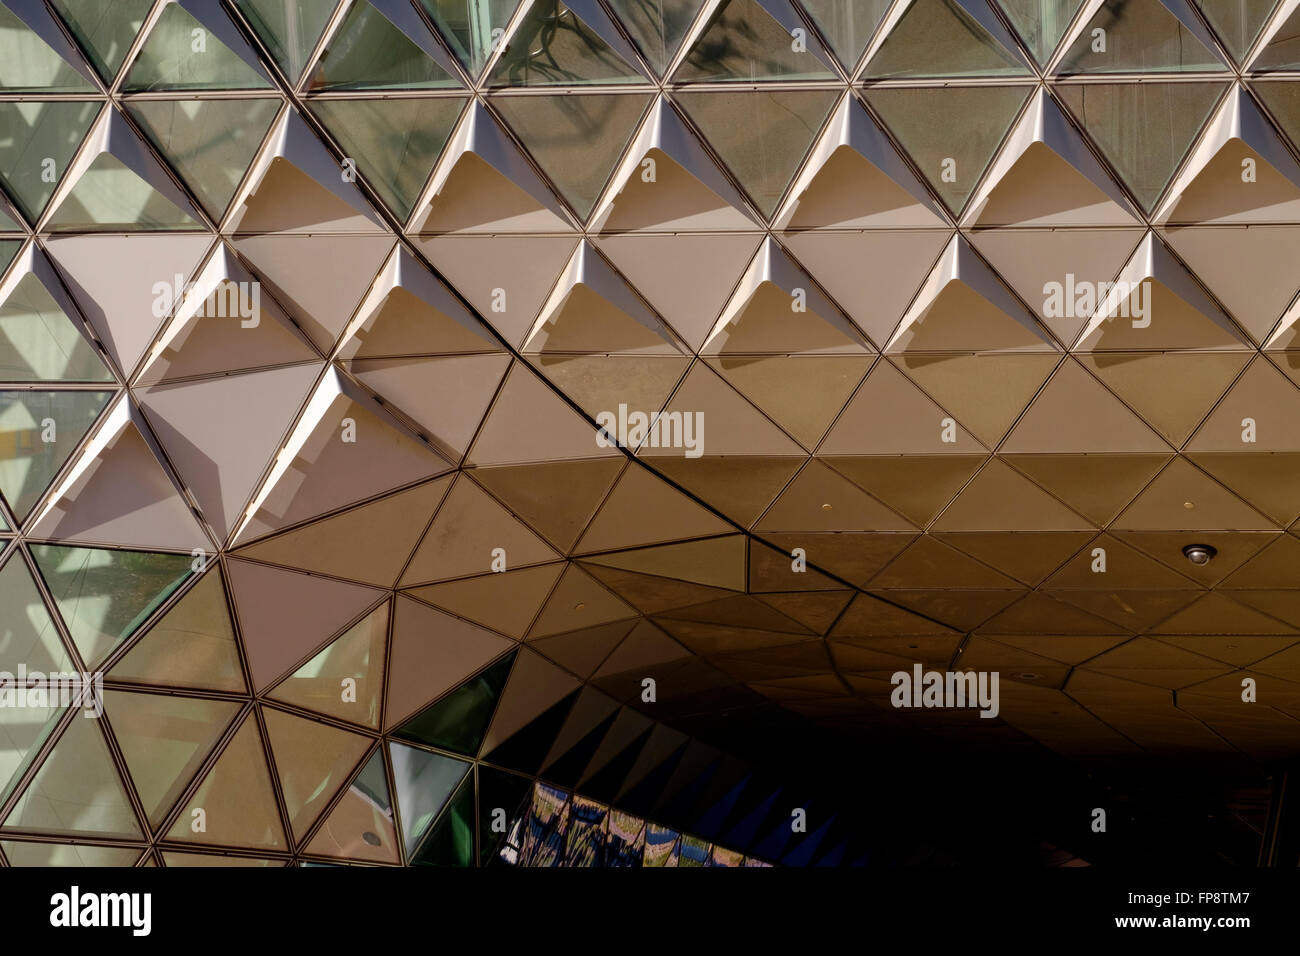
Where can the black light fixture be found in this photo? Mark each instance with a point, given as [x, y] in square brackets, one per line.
[1199, 554]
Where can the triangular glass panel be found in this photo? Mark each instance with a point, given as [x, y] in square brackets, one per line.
[35, 449]
[325, 607]
[8, 249]
[111, 197]
[289, 28]
[1040, 23]
[393, 142]
[39, 342]
[588, 831]
[39, 142]
[657, 26]
[23, 732]
[424, 782]
[164, 739]
[452, 841]
[345, 680]
[361, 827]
[626, 841]
[1282, 51]
[105, 31]
[235, 805]
[192, 645]
[459, 720]
[30, 638]
[745, 42]
[181, 53]
[370, 52]
[576, 140]
[765, 151]
[945, 38]
[554, 46]
[950, 133]
[104, 596]
[847, 24]
[660, 846]
[1143, 129]
[313, 760]
[21, 853]
[1282, 99]
[545, 829]
[472, 28]
[77, 790]
[1237, 22]
[210, 143]
[30, 64]
[1138, 36]
[500, 797]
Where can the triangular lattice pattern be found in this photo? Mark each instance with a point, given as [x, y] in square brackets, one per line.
[331, 334]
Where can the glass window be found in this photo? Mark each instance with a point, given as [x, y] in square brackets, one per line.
[77, 790]
[344, 680]
[847, 24]
[182, 54]
[210, 143]
[111, 197]
[1040, 23]
[38, 432]
[40, 343]
[471, 27]
[104, 30]
[657, 26]
[393, 142]
[289, 28]
[368, 52]
[951, 133]
[1283, 49]
[192, 645]
[424, 782]
[28, 63]
[743, 42]
[460, 719]
[939, 38]
[35, 133]
[553, 47]
[1144, 130]
[1139, 36]
[575, 139]
[762, 137]
[104, 596]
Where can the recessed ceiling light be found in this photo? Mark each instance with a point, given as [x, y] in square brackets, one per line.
[370, 838]
[1199, 554]
[826, 507]
[1028, 676]
[1188, 505]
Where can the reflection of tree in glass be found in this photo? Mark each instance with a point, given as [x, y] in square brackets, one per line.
[657, 26]
[743, 42]
[545, 33]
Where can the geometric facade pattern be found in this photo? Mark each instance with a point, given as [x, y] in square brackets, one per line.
[456, 429]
